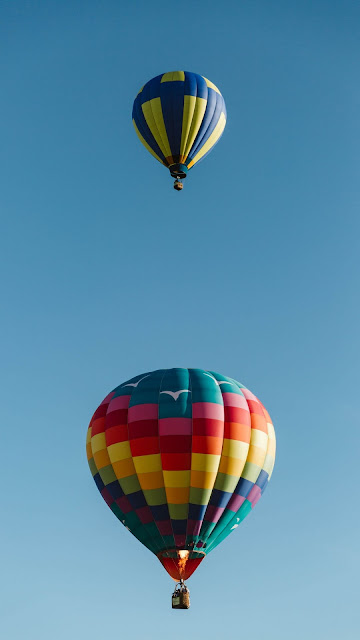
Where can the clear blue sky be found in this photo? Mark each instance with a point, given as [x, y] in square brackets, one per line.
[252, 271]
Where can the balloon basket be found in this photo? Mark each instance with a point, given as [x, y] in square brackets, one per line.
[180, 599]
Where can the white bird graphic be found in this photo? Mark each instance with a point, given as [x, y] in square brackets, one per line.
[135, 384]
[175, 394]
[218, 382]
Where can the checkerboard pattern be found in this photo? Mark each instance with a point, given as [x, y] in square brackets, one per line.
[181, 456]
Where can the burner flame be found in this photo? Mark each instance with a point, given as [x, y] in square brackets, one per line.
[183, 557]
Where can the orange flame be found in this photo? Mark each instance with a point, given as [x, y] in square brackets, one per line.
[183, 556]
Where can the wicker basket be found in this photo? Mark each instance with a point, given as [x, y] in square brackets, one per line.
[180, 600]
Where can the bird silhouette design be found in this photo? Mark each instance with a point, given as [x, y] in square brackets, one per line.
[175, 394]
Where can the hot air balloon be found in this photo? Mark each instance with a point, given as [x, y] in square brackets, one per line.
[181, 456]
[179, 117]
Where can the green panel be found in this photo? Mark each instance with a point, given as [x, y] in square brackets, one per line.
[225, 482]
[178, 511]
[93, 467]
[199, 496]
[107, 474]
[251, 472]
[155, 497]
[130, 484]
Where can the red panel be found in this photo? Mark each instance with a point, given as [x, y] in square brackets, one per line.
[208, 427]
[255, 407]
[114, 418]
[207, 444]
[144, 446]
[100, 412]
[234, 414]
[97, 426]
[116, 434]
[143, 428]
[175, 461]
[183, 444]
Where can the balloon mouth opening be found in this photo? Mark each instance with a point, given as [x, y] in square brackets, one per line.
[180, 563]
[178, 170]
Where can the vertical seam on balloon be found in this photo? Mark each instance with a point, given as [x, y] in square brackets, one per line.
[162, 471]
[191, 446]
[141, 129]
[207, 535]
[194, 149]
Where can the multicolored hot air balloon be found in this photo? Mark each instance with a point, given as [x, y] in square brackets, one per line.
[179, 117]
[181, 456]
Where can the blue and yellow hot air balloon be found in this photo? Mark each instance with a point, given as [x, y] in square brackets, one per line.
[179, 117]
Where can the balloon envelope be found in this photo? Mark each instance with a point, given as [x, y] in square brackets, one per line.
[179, 117]
[181, 456]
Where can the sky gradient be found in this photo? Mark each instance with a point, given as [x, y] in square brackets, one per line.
[252, 271]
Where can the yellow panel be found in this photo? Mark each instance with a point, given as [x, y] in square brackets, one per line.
[259, 439]
[271, 448]
[145, 464]
[256, 456]
[204, 462]
[178, 495]
[211, 85]
[88, 435]
[101, 459]
[193, 114]
[235, 448]
[172, 76]
[154, 118]
[177, 478]
[98, 442]
[271, 431]
[124, 468]
[146, 145]
[211, 140]
[119, 451]
[231, 466]
[203, 479]
[152, 480]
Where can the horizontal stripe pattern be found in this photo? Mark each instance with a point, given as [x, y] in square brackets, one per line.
[181, 456]
[179, 116]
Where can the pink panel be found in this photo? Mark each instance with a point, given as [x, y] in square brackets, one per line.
[235, 400]
[175, 426]
[208, 410]
[121, 402]
[254, 495]
[143, 412]
[235, 502]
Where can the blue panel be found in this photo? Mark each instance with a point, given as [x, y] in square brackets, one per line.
[196, 511]
[244, 487]
[196, 85]
[262, 479]
[179, 526]
[190, 85]
[220, 498]
[99, 483]
[137, 499]
[160, 512]
[152, 89]
[172, 104]
[115, 490]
